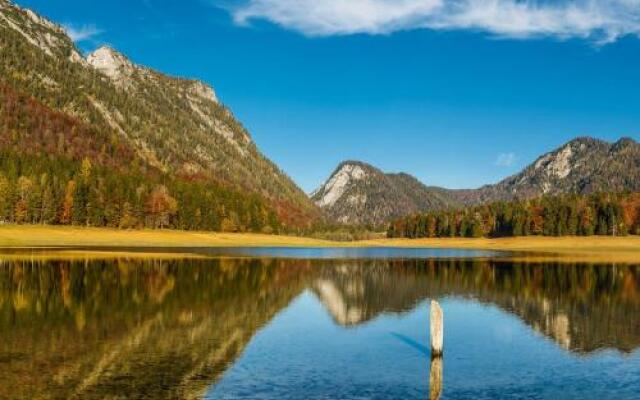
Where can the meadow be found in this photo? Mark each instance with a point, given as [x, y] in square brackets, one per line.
[624, 248]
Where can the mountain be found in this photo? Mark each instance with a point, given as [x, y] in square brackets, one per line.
[358, 193]
[583, 165]
[175, 129]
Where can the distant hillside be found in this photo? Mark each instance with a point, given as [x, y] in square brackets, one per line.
[358, 193]
[173, 129]
[584, 165]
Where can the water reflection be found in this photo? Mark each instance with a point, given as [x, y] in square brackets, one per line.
[141, 328]
[435, 378]
[569, 303]
[149, 328]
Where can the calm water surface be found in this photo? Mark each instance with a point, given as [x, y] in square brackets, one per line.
[316, 324]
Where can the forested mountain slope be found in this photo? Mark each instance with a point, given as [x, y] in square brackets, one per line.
[171, 128]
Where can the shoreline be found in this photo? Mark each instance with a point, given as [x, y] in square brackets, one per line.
[16, 237]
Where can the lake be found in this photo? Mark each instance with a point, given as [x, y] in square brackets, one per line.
[315, 324]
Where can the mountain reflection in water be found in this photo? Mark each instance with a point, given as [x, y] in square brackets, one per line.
[144, 328]
[567, 302]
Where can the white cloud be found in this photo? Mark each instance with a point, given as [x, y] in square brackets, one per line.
[506, 159]
[81, 33]
[598, 20]
[329, 17]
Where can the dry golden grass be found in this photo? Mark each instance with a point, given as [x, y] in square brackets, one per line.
[63, 236]
[530, 243]
[537, 248]
[88, 255]
[622, 249]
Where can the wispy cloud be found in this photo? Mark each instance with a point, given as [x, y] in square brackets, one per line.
[82, 33]
[506, 159]
[596, 20]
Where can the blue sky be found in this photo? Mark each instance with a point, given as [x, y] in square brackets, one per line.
[457, 92]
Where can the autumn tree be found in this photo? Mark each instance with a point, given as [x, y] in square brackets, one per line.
[5, 198]
[66, 214]
[22, 207]
[160, 206]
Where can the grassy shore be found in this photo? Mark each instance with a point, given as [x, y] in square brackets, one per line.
[525, 244]
[63, 236]
[569, 248]
[595, 247]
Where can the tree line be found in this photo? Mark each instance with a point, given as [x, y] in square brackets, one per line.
[45, 190]
[568, 215]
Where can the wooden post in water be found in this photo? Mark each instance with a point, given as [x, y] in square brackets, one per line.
[437, 329]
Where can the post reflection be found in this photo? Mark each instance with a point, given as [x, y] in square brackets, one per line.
[435, 378]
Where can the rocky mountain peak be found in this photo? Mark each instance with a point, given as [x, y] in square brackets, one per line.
[359, 193]
[624, 143]
[583, 165]
[202, 90]
[557, 164]
[36, 30]
[333, 189]
[35, 18]
[117, 67]
[111, 63]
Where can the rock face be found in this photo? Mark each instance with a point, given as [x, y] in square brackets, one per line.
[120, 70]
[37, 31]
[175, 125]
[203, 91]
[357, 193]
[111, 63]
[347, 175]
